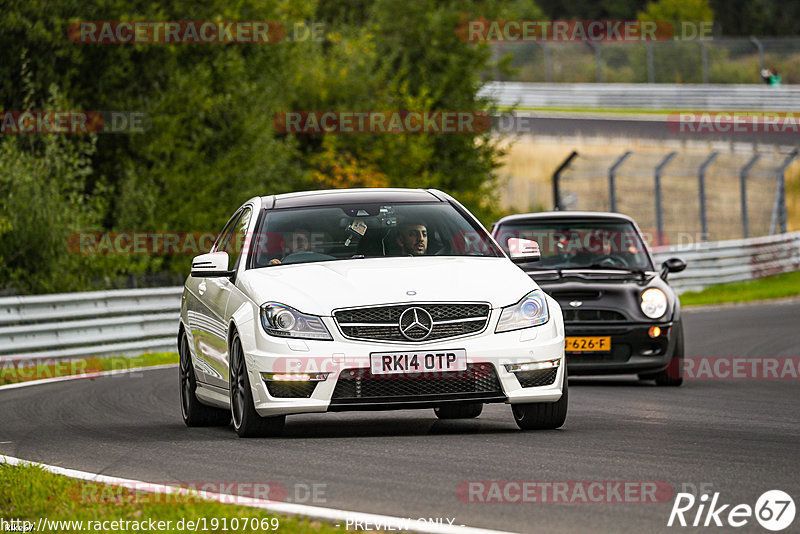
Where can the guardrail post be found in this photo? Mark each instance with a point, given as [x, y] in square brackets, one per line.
[743, 192]
[659, 215]
[557, 177]
[612, 173]
[701, 179]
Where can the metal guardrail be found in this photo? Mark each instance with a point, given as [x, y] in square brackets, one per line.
[97, 323]
[736, 260]
[133, 321]
[668, 97]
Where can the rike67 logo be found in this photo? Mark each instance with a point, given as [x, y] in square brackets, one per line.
[774, 510]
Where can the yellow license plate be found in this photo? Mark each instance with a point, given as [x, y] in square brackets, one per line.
[588, 344]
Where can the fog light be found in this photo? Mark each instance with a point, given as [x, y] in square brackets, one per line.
[295, 377]
[532, 366]
[654, 331]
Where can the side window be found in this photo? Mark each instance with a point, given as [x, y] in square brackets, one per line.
[225, 235]
[237, 245]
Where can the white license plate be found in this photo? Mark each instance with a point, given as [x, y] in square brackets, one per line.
[389, 363]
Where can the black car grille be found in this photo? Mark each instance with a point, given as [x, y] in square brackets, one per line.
[575, 316]
[382, 323]
[291, 389]
[540, 377]
[361, 385]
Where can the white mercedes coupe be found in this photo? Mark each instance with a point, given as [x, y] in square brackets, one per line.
[365, 299]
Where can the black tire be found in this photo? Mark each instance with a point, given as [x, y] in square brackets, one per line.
[672, 376]
[246, 421]
[458, 411]
[542, 415]
[193, 411]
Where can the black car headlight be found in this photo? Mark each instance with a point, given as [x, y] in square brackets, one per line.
[530, 311]
[283, 321]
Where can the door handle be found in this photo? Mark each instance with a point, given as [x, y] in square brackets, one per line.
[202, 287]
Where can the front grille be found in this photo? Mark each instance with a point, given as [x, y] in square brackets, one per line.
[382, 323]
[362, 385]
[574, 316]
[291, 389]
[540, 377]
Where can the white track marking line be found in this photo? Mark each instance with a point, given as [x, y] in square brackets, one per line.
[86, 375]
[314, 512]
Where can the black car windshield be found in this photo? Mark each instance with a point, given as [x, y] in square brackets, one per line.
[586, 244]
[327, 233]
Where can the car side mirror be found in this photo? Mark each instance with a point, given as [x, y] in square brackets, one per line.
[672, 265]
[211, 265]
[523, 250]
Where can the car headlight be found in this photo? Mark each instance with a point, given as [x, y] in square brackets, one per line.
[654, 303]
[282, 321]
[530, 311]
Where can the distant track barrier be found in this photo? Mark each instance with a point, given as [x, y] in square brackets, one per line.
[97, 323]
[737, 260]
[662, 96]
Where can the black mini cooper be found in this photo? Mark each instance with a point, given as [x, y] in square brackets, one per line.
[620, 314]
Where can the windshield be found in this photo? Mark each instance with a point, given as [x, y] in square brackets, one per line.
[328, 233]
[582, 244]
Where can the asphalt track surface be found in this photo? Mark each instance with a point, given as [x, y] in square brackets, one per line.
[645, 127]
[739, 437]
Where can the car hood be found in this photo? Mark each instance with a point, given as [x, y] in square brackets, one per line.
[604, 290]
[319, 288]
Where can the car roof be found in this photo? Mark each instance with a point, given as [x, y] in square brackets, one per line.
[565, 215]
[329, 197]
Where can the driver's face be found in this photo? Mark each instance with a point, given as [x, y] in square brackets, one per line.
[300, 240]
[413, 240]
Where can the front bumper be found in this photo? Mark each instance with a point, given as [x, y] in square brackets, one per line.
[632, 349]
[349, 384]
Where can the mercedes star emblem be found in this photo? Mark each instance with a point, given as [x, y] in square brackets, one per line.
[416, 324]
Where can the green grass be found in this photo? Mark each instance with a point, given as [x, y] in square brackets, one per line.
[29, 493]
[12, 372]
[771, 287]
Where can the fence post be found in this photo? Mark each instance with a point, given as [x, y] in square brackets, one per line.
[704, 56]
[701, 178]
[760, 47]
[743, 192]
[612, 172]
[598, 58]
[557, 177]
[779, 211]
[651, 65]
[548, 62]
[659, 215]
